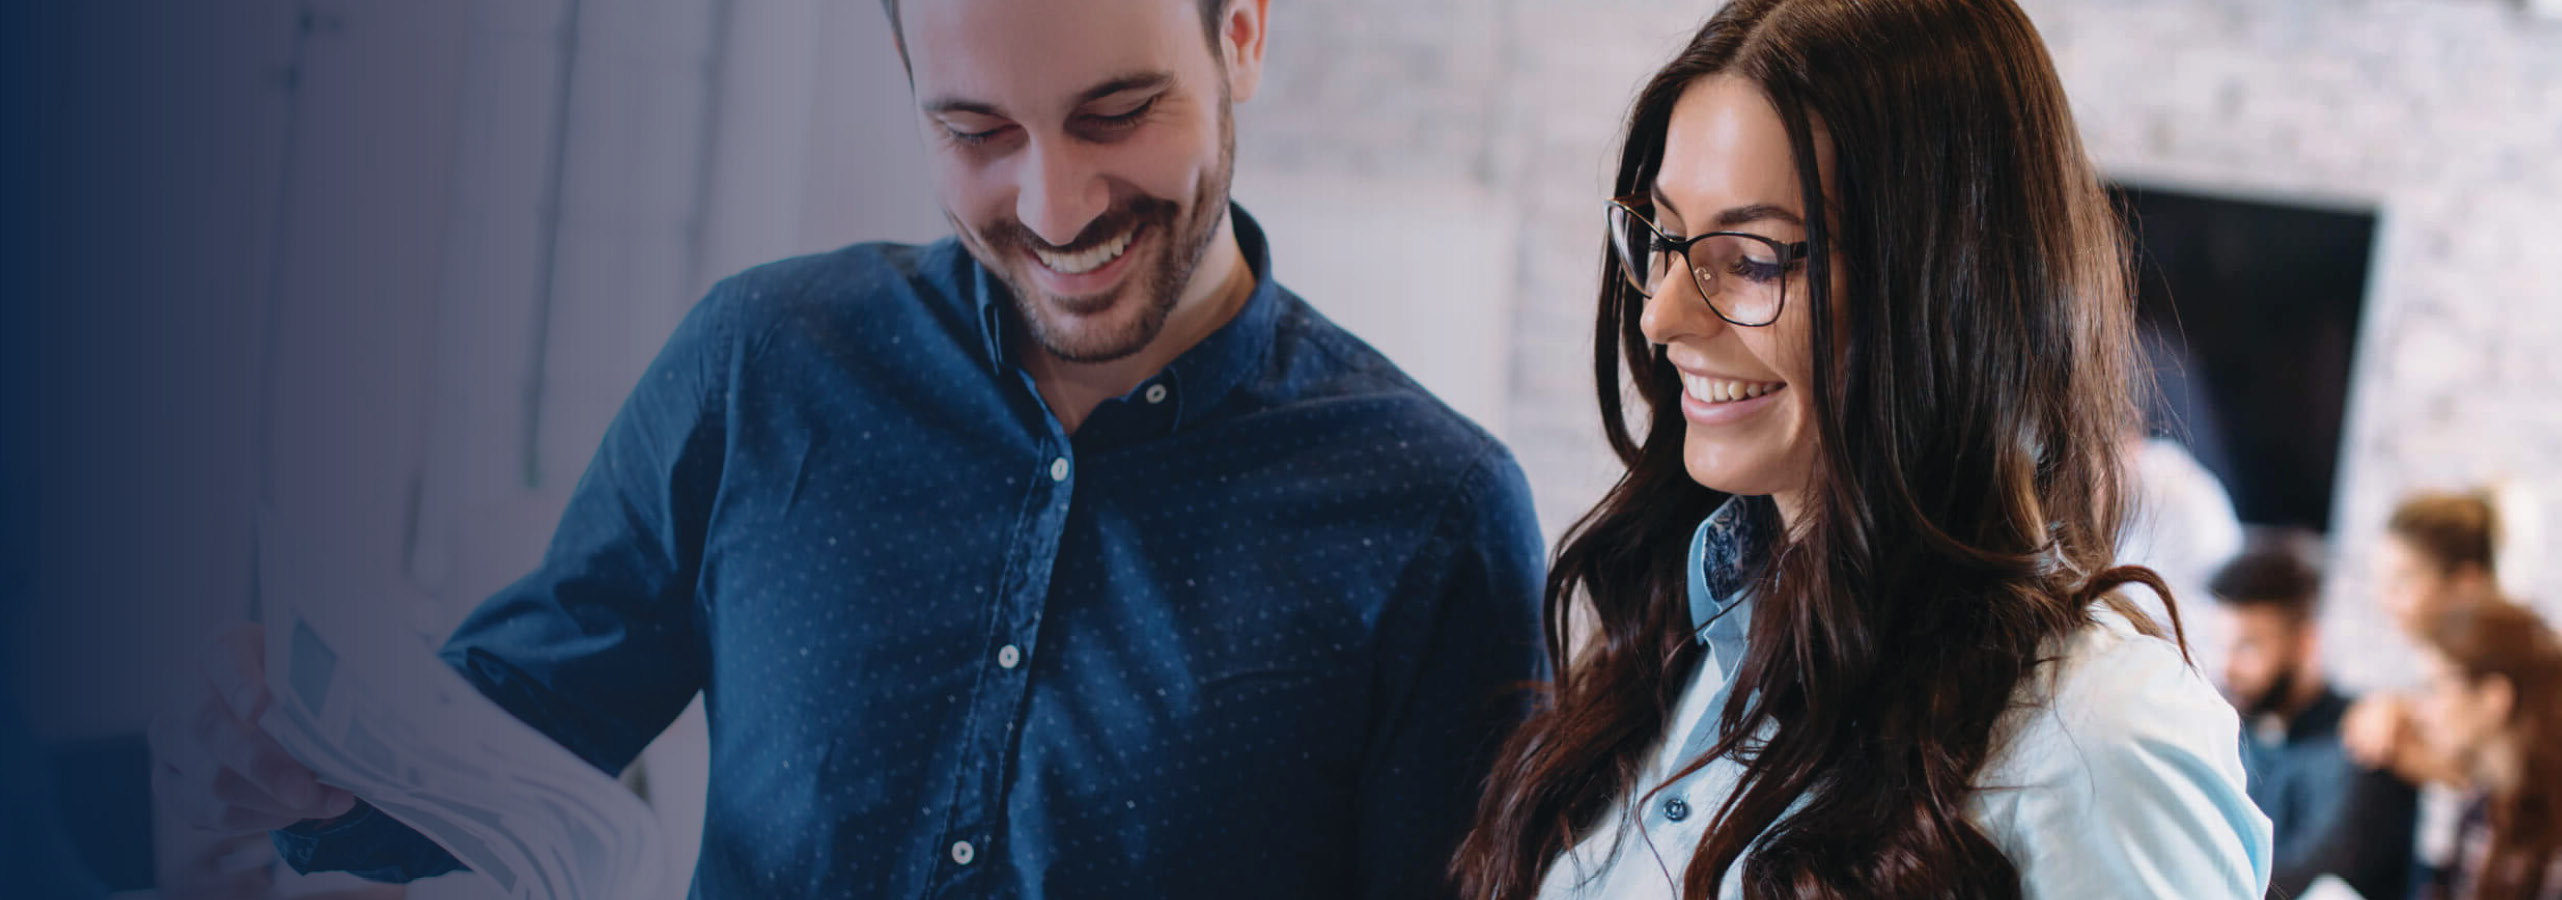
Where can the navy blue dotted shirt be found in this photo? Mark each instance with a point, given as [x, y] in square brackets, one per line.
[1253, 631]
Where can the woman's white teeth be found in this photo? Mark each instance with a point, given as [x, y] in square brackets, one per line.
[1720, 390]
[1086, 260]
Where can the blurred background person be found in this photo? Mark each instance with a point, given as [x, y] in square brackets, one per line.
[2439, 553]
[2183, 527]
[2330, 815]
[2493, 707]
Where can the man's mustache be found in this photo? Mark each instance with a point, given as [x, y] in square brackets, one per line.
[1111, 224]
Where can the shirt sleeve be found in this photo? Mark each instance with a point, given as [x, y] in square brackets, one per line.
[2135, 784]
[1459, 650]
[597, 648]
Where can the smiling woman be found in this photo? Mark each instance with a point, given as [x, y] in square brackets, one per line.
[1859, 629]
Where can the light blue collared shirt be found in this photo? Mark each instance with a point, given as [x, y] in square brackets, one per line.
[2117, 773]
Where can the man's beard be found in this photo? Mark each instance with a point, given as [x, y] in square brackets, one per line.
[1185, 239]
[2271, 699]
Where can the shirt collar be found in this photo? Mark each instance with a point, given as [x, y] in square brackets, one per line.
[2320, 718]
[1200, 377]
[1720, 596]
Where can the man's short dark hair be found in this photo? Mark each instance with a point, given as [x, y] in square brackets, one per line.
[2272, 572]
[1210, 11]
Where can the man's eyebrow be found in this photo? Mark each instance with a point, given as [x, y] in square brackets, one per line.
[1117, 84]
[945, 105]
[1134, 81]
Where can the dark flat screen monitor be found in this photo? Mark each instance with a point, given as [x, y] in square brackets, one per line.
[2250, 312]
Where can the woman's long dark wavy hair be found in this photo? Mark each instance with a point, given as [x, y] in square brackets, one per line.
[1967, 491]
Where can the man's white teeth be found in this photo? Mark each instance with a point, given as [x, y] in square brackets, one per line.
[1720, 390]
[1086, 260]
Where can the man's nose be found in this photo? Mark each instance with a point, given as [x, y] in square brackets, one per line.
[1061, 193]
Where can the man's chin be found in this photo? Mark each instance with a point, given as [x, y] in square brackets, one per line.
[1086, 308]
[1097, 327]
[1114, 329]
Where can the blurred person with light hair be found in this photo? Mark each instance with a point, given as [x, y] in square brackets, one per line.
[2493, 708]
[2183, 526]
[2331, 816]
[2440, 552]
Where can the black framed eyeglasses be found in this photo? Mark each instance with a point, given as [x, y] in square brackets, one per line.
[1744, 278]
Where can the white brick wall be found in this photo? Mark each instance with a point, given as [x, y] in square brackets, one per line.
[2446, 115]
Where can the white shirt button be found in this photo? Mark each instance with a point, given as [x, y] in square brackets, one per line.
[1156, 393]
[1009, 656]
[1058, 469]
[962, 852]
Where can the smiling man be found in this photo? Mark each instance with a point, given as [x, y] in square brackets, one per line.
[1070, 557]
[1084, 155]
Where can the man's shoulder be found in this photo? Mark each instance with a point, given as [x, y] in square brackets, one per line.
[855, 275]
[1323, 364]
[847, 299]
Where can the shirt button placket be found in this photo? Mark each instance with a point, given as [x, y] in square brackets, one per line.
[1010, 656]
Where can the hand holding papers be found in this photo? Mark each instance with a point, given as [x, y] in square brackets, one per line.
[366, 705]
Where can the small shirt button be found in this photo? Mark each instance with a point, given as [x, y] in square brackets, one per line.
[962, 852]
[1009, 656]
[1059, 469]
[1676, 809]
[1156, 393]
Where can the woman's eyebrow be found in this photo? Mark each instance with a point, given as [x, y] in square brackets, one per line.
[1757, 212]
[1736, 216]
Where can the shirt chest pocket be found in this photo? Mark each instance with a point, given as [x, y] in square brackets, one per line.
[1296, 682]
[1286, 644]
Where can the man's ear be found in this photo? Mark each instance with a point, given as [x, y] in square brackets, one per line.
[1241, 31]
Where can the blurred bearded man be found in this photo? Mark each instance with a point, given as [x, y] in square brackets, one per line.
[2330, 815]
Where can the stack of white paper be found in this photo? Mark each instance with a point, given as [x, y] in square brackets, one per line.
[371, 710]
